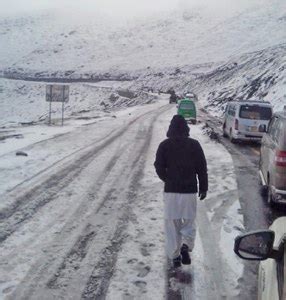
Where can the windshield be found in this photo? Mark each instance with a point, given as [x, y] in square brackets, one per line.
[255, 112]
[188, 105]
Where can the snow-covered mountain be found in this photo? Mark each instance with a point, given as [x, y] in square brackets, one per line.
[237, 54]
[184, 37]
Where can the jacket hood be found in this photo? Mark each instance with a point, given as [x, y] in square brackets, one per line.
[178, 127]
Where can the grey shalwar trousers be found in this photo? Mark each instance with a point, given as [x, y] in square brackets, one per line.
[179, 214]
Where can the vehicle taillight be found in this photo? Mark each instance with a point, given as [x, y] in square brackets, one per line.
[280, 158]
[236, 124]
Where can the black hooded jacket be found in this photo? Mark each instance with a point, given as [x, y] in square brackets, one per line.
[180, 160]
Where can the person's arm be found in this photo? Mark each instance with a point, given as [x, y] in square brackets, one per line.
[201, 170]
[160, 163]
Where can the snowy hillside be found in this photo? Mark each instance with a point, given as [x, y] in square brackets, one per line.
[183, 37]
[238, 54]
[30, 36]
[259, 75]
[256, 75]
[23, 103]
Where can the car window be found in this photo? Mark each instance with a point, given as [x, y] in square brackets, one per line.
[231, 110]
[186, 105]
[271, 126]
[275, 129]
[255, 112]
[279, 131]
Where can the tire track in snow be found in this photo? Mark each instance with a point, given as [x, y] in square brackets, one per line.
[81, 247]
[212, 256]
[34, 200]
[103, 142]
[83, 208]
[24, 207]
[63, 238]
[98, 282]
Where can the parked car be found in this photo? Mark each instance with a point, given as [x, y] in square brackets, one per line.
[246, 120]
[272, 165]
[187, 109]
[269, 247]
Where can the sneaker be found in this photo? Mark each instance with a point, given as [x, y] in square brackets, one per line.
[186, 260]
[177, 262]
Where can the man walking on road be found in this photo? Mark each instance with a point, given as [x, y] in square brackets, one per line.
[180, 160]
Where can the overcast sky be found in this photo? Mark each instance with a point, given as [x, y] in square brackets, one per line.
[112, 7]
[116, 7]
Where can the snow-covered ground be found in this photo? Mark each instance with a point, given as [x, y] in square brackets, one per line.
[140, 268]
[214, 234]
[48, 224]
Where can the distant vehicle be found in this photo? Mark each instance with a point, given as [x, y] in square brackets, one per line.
[246, 120]
[268, 246]
[187, 109]
[173, 97]
[272, 165]
[191, 96]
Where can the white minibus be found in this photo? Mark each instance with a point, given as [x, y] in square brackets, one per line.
[246, 120]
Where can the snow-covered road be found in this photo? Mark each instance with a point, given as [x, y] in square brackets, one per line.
[81, 216]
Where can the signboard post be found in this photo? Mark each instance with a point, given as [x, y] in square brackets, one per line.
[57, 93]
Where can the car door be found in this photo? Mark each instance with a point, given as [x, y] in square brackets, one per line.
[267, 148]
[272, 274]
[273, 147]
[267, 281]
[226, 116]
[281, 274]
[230, 118]
[284, 272]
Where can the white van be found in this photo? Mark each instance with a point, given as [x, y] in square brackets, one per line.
[246, 120]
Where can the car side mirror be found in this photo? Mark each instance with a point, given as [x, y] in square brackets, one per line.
[256, 245]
